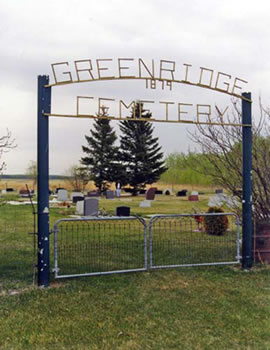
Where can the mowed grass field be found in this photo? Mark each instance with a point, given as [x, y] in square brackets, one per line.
[182, 308]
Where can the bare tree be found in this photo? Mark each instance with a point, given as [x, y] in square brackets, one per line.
[6, 143]
[31, 172]
[221, 145]
[77, 177]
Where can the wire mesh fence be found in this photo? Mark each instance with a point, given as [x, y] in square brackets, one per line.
[185, 240]
[100, 245]
[17, 244]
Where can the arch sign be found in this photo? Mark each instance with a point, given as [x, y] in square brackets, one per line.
[155, 74]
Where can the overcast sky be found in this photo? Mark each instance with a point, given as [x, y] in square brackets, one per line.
[227, 36]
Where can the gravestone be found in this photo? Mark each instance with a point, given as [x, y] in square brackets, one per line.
[4, 191]
[159, 192]
[193, 198]
[150, 194]
[142, 192]
[182, 193]
[80, 207]
[59, 188]
[93, 194]
[194, 193]
[123, 211]
[76, 199]
[110, 194]
[90, 206]
[75, 194]
[25, 194]
[168, 192]
[145, 204]
[10, 189]
[219, 190]
[62, 195]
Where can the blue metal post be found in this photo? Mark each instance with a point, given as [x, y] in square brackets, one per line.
[44, 106]
[247, 182]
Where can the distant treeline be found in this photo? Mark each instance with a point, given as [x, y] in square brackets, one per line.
[24, 176]
[186, 169]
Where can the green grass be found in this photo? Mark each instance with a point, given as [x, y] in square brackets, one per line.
[198, 308]
[188, 308]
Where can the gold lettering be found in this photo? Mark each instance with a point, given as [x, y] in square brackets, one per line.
[132, 104]
[124, 67]
[225, 83]
[167, 108]
[236, 86]
[183, 112]
[187, 68]
[88, 70]
[201, 111]
[163, 69]
[141, 103]
[201, 76]
[151, 74]
[99, 69]
[78, 103]
[68, 73]
[220, 114]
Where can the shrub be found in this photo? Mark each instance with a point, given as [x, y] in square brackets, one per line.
[216, 224]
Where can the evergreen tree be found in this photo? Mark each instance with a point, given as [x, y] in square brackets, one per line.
[140, 151]
[102, 159]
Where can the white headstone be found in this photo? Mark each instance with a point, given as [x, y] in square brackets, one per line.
[80, 207]
[4, 191]
[194, 193]
[145, 204]
[62, 195]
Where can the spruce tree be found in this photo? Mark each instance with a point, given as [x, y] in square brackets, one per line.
[140, 151]
[102, 159]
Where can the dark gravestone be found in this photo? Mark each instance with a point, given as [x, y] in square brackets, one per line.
[159, 192]
[128, 190]
[110, 194]
[123, 211]
[150, 194]
[193, 198]
[182, 193]
[90, 206]
[76, 199]
[93, 194]
[142, 191]
[238, 193]
[10, 189]
[220, 190]
[25, 194]
[167, 193]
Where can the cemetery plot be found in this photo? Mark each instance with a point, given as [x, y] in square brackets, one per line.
[182, 240]
[96, 246]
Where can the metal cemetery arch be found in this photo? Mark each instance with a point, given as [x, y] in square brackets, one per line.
[44, 111]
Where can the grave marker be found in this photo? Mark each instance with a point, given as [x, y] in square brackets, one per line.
[123, 211]
[110, 194]
[62, 195]
[91, 206]
[150, 194]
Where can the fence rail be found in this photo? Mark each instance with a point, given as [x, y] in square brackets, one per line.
[99, 245]
[181, 240]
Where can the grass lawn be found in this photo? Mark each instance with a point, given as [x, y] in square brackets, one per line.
[192, 308]
[183, 308]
